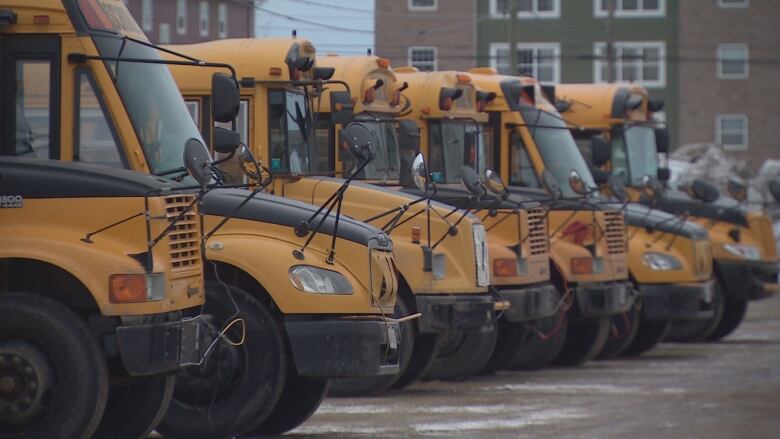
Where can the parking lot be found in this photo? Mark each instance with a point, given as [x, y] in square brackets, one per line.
[724, 390]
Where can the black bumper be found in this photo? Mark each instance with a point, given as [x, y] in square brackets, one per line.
[344, 348]
[748, 280]
[456, 312]
[530, 303]
[603, 299]
[677, 301]
[154, 348]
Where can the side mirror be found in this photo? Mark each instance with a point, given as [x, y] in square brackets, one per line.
[493, 182]
[736, 189]
[774, 189]
[702, 190]
[341, 107]
[197, 161]
[225, 98]
[600, 150]
[600, 176]
[248, 164]
[357, 139]
[420, 173]
[551, 185]
[226, 141]
[663, 174]
[470, 181]
[662, 140]
[576, 184]
[562, 106]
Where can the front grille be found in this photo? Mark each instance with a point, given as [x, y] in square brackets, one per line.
[702, 252]
[614, 232]
[184, 238]
[538, 241]
[763, 232]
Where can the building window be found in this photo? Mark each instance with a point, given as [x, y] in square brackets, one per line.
[733, 61]
[732, 4]
[181, 17]
[731, 131]
[203, 23]
[423, 5]
[146, 15]
[635, 61]
[631, 8]
[540, 60]
[165, 34]
[527, 8]
[222, 18]
[424, 58]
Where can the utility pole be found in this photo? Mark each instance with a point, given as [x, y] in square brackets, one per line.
[512, 37]
[610, 42]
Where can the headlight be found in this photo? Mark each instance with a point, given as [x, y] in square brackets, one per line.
[661, 261]
[744, 251]
[317, 280]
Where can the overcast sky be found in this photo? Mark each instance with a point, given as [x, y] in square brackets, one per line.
[341, 26]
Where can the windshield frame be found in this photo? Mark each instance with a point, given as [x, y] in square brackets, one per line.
[635, 151]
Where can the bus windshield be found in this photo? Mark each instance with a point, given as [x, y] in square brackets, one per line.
[386, 162]
[453, 144]
[290, 133]
[157, 111]
[640, 153]
[557, 147]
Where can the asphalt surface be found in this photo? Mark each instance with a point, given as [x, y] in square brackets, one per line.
[729, 389]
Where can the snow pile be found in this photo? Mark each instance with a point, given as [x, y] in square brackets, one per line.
[703, 161]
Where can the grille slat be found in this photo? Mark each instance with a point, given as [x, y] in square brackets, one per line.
[538, 241]
[614, 232]
[184, 238]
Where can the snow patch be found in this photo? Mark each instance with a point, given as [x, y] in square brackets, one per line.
[534, 418]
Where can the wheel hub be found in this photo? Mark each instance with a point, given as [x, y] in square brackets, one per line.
[26, 382]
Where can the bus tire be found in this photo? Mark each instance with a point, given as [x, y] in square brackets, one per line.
[734, 311]
[54, 376]
[538, 352]
[462, 355]
[510, 339]
[584, 340]
[623, 329]
[651, 332]
[135, 407]
[692, 331]
[300, 399]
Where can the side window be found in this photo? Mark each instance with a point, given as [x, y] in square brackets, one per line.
[435, 153]
[522, 170]
[194, 108]
[94, 137]
[619, 160]
[324, 146]
[277, 138]
[33, 108]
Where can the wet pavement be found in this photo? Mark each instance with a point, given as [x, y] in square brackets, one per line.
[715, 390]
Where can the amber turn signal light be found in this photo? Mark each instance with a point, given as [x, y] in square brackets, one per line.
[127, 288]
[582, 265]
[416, 232]
[505, 267]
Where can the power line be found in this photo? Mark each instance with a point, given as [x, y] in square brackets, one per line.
[330, 6]
[300, 20]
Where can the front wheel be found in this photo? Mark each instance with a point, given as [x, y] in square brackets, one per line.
[699, 330]
[623, 329]
[734, 311]
[462, 355]
[237, 386]
[650, 333]
[135, 407]
[542, 342]
[584, 340]
[53, 376]
[300, 399]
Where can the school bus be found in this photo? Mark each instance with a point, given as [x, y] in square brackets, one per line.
[746, 262]
[289, 314]
[442, 263]
[588, 267]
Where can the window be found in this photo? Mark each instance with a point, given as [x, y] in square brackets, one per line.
[203, 23]
[146, 15]
[631, 8]
[732, 61]
[165, 33]
[635, 61]
[222, 18]
[424, 58]
[194, 108]
[94, 137]
[232, 168]
[423, 5]
[289, 132]
[733, 4]
[33, 108]
[540, 60]
[731, 131]
[181, 17]
[527, 8]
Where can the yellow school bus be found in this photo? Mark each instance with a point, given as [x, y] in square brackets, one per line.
[290, 314]
[588, 247]
[746, 260]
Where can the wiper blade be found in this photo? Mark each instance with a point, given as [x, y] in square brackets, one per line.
[171, 171]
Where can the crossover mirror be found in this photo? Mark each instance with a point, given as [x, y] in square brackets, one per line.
[470, 181]
[576, 184]
[420, 173]
[493, 182]
[551, 185]
[197, 161]
[357, 139]
[702, 190]
[737, 189]
[225, 98]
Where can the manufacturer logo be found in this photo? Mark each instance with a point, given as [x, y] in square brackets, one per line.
[11, 202]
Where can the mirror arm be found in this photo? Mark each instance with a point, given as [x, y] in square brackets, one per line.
[444, 235]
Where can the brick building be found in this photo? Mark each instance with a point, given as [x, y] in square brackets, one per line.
[191, 21]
